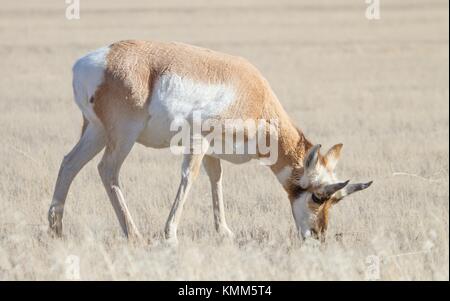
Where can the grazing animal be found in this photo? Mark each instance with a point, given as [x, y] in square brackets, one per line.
[131, 91]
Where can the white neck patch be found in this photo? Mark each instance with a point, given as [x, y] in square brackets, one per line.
[302, 214]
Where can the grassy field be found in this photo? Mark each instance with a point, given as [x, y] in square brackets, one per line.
[380, 87]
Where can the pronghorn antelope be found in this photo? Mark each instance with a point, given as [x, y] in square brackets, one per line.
[131, 91]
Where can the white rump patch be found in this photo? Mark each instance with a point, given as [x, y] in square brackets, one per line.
[88, 74]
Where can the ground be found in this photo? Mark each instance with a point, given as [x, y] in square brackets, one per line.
[380, 87]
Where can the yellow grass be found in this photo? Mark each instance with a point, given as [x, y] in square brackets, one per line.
[379, 87]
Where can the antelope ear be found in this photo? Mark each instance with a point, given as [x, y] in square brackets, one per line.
[311, 158]
[332, 156]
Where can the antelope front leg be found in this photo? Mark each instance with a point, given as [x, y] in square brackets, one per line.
[190, 169]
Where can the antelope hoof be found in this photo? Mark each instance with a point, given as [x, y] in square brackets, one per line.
[171, 240]
[55, 222]
[131, 231]
[226, 233]
[135, 238]
[311, 243]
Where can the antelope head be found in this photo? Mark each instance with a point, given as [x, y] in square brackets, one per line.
[314, 189]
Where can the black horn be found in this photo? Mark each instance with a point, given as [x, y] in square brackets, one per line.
[331, 189]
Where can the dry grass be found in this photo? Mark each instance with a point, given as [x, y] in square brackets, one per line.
[379, 87]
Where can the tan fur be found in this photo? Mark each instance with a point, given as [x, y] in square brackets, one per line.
[133, 67]
[322, 212]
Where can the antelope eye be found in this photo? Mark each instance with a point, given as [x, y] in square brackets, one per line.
[317, 199]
